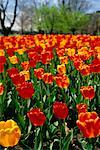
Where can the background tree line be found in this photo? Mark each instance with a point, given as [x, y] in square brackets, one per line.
[42, 16]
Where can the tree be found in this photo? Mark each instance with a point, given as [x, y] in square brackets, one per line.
[6, 30]
[75, 5]
[76, 22]
[28, 15]
[48, 18]
[53, 19]
[23, 17]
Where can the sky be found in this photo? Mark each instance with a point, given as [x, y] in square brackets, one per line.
[95, 6]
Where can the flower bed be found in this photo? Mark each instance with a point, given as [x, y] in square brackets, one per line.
[49, 92]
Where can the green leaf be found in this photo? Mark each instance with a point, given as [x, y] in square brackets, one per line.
[21, 120]
[52, 128]
[67, 140]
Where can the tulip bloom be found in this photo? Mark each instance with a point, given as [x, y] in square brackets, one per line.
[61, 69]
[25, 65]
[87, 92]
[34, 56]
[18, 79]
[47, 78]
[62, 81]
[2, 59]
[60, 110]
[26, 90]
[2, 52]
[20, 51]
[13, 59]
[63, 60]
[89, 124]
[1, 89]
[10, 52]
[12, 71]
[78, 64]
[10, 133]
[26, 74]
[95, 66]
[32, 63]
[46, 56]
[70, 52]
[39, 72]
[36, 117]
[85, 70]
[81, 108]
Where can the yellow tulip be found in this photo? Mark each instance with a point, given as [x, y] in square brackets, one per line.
[26, 74]
[20, 51]
[10, 133]
[61, 69]
[2, 53]
[13, 59]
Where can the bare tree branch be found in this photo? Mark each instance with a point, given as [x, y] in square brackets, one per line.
[4, 16]
[15, 11]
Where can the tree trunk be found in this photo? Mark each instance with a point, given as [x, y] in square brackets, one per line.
[6, 31]
[73, 30]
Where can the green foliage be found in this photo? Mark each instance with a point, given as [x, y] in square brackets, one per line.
[61, 20]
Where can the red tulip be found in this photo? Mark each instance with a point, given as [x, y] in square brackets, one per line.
[36, 116]
[18, 79]
[26, 90]
[12, 71]
[2, 59]
[95, 66]
[81, 108]
[60, 110]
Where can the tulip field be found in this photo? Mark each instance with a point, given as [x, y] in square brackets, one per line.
[49, 92]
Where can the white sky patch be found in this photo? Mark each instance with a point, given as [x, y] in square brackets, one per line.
[96, 4]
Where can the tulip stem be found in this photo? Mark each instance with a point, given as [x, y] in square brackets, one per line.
[60, 143]
[41, 138]
[35, 144]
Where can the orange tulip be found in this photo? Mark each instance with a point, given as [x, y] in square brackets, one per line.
[63, 60]
[25, 65]
[47, 78]
[10, 133]
[89, 124]
[85, 70]
[87, 92]
[62, 81]
[39, 72]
